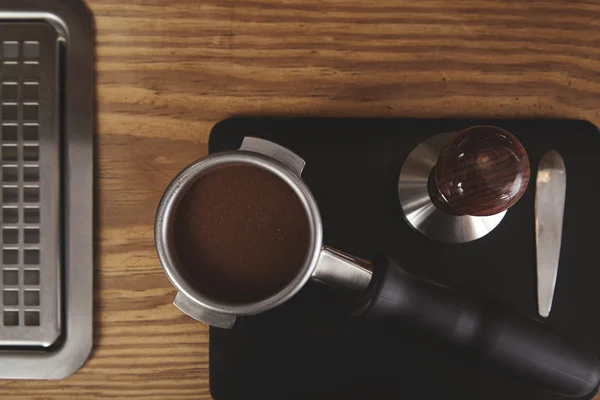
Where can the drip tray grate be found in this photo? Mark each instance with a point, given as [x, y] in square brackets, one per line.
[30, 235]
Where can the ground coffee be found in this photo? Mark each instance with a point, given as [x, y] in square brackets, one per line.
[241, 233]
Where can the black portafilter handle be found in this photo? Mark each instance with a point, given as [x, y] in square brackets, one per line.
[517, 345]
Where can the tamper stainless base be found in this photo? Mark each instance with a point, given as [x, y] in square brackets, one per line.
[420, 212]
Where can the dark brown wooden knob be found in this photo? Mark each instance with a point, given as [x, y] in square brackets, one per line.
[482, 171]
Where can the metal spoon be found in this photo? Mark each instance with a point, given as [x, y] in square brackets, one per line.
[551, 185]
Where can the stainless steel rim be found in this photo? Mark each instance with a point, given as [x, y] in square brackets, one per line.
[176, 190]
[421, 213]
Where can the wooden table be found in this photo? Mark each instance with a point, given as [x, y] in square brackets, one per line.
[168, 70]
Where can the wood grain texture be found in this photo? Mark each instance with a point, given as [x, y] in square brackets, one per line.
[168, 70]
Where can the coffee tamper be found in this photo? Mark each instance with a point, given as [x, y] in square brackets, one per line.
[456, 187]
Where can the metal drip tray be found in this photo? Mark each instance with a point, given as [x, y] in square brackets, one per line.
[46, 125]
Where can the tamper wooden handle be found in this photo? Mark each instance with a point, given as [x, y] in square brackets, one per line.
[482, 170]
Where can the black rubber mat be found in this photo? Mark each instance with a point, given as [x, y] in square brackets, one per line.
[308, 349]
